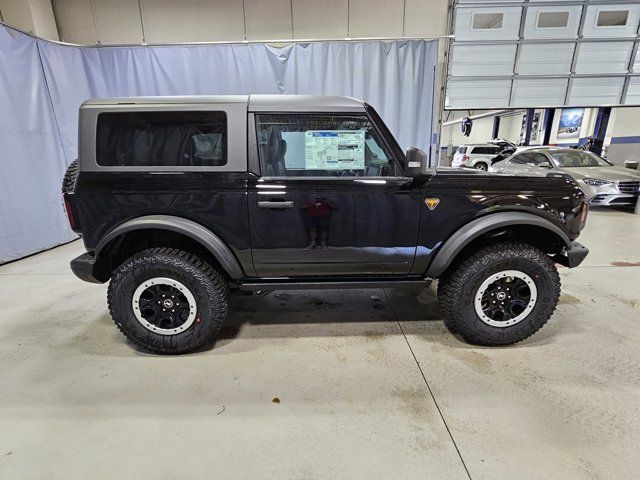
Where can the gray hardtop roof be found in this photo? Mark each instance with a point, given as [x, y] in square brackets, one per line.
[255, 103]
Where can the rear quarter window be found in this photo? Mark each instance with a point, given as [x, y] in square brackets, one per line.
[481, 150]
[161, 139]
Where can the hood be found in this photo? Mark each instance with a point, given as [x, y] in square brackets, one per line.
[603, 173]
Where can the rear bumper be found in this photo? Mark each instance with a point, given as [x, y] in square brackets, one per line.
[83, 267]
[572, 256]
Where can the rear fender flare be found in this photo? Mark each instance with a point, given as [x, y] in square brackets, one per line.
[189, 228]
[474, 229]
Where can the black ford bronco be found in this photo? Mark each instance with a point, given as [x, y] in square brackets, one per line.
[183, 200]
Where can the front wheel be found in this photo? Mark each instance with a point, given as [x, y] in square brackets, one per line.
[500, 295]
[167, 301]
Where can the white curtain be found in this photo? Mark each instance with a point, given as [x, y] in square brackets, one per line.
[43, 84]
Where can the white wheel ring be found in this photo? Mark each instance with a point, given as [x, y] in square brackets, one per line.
[135, 303]
[477, 303]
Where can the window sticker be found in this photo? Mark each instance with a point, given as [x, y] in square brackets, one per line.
[334, 149]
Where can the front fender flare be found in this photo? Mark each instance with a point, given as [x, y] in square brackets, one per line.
[465, 234]
[189, 228]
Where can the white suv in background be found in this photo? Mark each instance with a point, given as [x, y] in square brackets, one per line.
[476, 156]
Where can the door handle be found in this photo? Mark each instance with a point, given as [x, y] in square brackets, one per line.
[275, 204]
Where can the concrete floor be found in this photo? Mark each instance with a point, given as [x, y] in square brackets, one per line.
[354, 384]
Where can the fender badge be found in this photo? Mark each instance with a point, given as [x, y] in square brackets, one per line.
[431, 203]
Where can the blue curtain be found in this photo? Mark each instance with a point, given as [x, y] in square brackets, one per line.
[44, 83]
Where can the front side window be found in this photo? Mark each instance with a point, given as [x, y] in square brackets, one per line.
[321, 145]
[579, 159]
[521, 159]
[537, 159]
[162, 139]
[530, 159]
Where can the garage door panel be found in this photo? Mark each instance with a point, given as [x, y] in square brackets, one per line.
[508, 28]
[537, 17]
[545, 59]
[595, 91]
[598, 16]
[633, 93]
[604, 57]
[536, 93]
[477, 93]
[482, 60]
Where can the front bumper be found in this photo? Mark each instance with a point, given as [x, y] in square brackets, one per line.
[84, 267]
[572, 256]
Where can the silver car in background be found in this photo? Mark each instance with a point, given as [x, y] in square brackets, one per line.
[602, 182]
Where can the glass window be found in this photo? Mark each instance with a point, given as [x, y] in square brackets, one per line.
[162, 139]
[537, 158]
[553, 19]
[462, 150]
[529, 159]
[579, 159]
[612, 18]
[519, 159]
[483, 21]
[321, 145]
[488, 150]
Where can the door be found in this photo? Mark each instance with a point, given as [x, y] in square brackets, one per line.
[329, 199]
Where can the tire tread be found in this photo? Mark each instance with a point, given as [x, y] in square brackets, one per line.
[192, 264]
[453, 283]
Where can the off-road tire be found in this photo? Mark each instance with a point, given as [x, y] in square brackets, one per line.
[457, 288]
[69, 180]
[206, 285]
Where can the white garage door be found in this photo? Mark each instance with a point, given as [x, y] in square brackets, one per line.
[543, 53]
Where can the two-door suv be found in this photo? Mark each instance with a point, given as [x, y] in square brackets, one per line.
[182, 200]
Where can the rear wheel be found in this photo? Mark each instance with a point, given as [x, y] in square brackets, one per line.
[500, 295]
[481, 166]
[167, 300]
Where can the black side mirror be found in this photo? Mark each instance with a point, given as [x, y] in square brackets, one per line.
[416, 160]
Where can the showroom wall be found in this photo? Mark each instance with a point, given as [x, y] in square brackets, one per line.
[32, 16]
[47, 82]
[164, 21]
[623, 135]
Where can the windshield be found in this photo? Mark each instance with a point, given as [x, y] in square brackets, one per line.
[578, 159]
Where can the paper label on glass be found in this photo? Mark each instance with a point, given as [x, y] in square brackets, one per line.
[334, 149]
